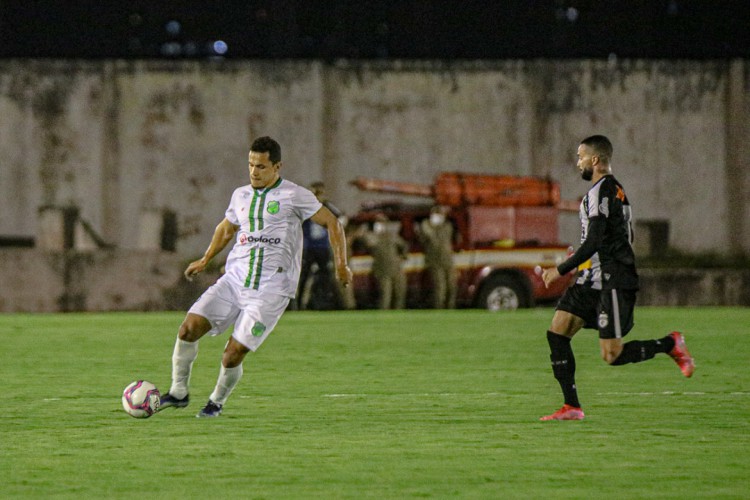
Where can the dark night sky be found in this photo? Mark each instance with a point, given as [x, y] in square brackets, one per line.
[376, 29]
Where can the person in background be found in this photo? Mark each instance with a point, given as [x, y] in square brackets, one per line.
[316, 252]
[436, 236]
[389, 251]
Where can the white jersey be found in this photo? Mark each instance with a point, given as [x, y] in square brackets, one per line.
[267, 252]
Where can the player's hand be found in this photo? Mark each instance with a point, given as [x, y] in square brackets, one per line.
[344, 275]
[549, 276]
[195, 267]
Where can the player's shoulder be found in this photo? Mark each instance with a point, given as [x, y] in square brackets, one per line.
[607, 184]
[294, 190]
[286, 184]
[293, 186]
[242, 191]
[611, 180]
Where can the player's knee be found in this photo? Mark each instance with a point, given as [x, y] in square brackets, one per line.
[186, 333]
[193, 328]
[233, 355]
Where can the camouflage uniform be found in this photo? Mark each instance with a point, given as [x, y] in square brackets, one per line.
[438, 259]
[388, 253]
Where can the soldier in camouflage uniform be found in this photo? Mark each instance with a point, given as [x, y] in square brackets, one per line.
[436, 235]
[389, 251]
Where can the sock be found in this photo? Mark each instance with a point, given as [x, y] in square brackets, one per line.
[228, 378]
[182, 363]
[665, 344]
[564, 367]
[636, 351]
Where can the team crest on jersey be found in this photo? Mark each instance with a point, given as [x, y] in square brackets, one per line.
[258, 329]
[603, 320]
[273, 207]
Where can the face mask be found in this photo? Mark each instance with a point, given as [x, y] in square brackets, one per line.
[437, 219]
[378, 227]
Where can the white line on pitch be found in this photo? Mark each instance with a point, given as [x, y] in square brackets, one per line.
[493, 394]
[672, 393]
[411, 395]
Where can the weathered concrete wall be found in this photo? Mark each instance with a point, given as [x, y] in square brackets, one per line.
[118, 139]
[32, 281]
[102, 280]
[694, 287]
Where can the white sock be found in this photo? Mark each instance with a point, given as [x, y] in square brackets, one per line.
[228, 378]
[182, 364]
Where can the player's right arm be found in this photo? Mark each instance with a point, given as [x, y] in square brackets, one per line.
[588, 248]
[223, 234]
[591, 245]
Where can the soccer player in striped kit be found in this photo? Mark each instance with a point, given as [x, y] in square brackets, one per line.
[265, 220]
[603, 296]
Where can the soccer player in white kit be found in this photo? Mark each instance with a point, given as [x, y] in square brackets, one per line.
[262, 272]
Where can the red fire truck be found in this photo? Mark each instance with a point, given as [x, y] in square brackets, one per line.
[504, 226]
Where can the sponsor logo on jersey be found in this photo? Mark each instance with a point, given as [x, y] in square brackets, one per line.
[273, 207]
[245, 239]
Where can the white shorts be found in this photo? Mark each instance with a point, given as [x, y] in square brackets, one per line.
[254, 315]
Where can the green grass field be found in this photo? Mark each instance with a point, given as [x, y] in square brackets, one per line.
[375, 404]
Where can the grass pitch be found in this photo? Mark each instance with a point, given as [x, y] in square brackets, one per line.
[375, 404]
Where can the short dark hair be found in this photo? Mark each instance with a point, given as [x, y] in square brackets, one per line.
[267, 145]
[601, 146]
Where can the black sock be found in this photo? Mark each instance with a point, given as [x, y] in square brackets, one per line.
[665, 344]
[636, 351]
[564, 366]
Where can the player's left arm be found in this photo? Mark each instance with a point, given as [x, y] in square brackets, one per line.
[337, 238]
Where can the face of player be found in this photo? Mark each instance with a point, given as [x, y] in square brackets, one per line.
[263, 173]
[585, 162]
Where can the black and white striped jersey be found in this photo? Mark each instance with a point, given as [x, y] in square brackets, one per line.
[605, 259]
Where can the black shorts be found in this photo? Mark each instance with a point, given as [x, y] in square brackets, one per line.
[609, 311]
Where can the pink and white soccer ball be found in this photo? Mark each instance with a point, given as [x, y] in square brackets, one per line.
[141, 399]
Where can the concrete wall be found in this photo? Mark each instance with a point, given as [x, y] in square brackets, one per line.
[122, 139]
[694, 287]
[114, 280]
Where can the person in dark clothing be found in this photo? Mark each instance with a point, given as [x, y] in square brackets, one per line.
[316, 252]
[603, 296]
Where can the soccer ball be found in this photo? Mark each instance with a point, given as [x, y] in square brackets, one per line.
[141, 399]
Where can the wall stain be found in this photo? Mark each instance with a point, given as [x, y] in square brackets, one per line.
[49, 104]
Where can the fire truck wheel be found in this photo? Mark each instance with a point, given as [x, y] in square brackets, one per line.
[502, 293]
